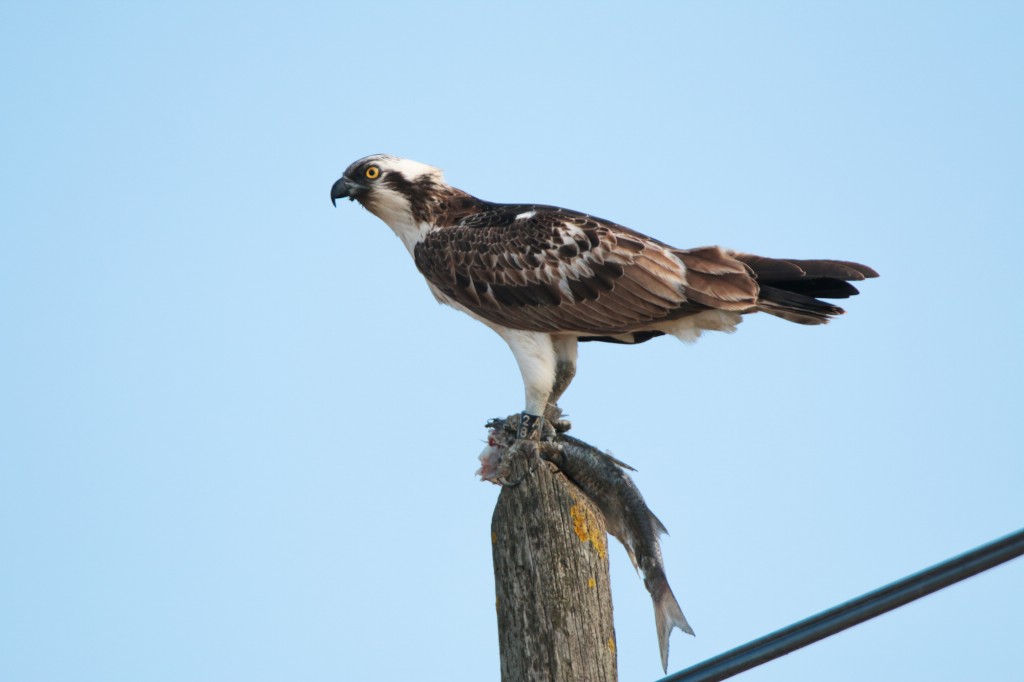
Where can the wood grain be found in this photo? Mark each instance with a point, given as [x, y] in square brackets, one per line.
[551, 578]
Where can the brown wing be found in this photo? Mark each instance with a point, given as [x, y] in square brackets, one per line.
[548, 269]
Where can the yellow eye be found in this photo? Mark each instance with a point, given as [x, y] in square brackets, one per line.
[372, 173]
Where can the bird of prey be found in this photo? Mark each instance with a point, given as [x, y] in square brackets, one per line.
[545, 278]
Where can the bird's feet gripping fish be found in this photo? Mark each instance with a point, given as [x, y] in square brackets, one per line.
[507, 460]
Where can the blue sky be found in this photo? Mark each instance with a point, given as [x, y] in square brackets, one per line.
[238, 436]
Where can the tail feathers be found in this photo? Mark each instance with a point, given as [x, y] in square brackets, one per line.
[790, 288]
[820, 287]
[785, 287]
[667, 615]
[779, 269]
[796, 307]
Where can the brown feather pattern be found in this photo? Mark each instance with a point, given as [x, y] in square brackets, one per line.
[557, 271]
[548, 269]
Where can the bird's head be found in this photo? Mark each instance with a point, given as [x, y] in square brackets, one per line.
[395, 190]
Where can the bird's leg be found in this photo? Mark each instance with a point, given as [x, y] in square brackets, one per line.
[534, 438]
[565, 370]
[535, 354]
[539, 356]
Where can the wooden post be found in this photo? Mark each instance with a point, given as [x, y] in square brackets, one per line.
[551, 578]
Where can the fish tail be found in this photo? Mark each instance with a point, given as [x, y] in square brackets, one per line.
[667, 615]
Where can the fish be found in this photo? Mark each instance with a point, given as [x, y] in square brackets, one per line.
[604, 480]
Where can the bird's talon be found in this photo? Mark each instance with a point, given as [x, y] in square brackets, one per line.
[518, 462]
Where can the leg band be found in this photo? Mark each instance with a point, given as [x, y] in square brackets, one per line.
[531, 427]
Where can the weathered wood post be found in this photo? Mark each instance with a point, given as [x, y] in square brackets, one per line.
[551, 578]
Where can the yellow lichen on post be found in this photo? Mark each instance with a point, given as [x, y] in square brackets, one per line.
[587, 528]
[611, 645]
[591, 583]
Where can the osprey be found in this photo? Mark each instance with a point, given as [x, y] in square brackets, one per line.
[545, 278]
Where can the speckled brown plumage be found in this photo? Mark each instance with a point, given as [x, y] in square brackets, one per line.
[548, 269]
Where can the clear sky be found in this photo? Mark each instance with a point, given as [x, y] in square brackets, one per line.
[238, 435]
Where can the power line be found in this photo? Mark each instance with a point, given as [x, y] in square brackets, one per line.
[858, 610]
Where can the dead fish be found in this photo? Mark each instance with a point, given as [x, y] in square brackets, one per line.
[603, 479]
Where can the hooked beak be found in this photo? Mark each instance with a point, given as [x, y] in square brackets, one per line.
[340, 190]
